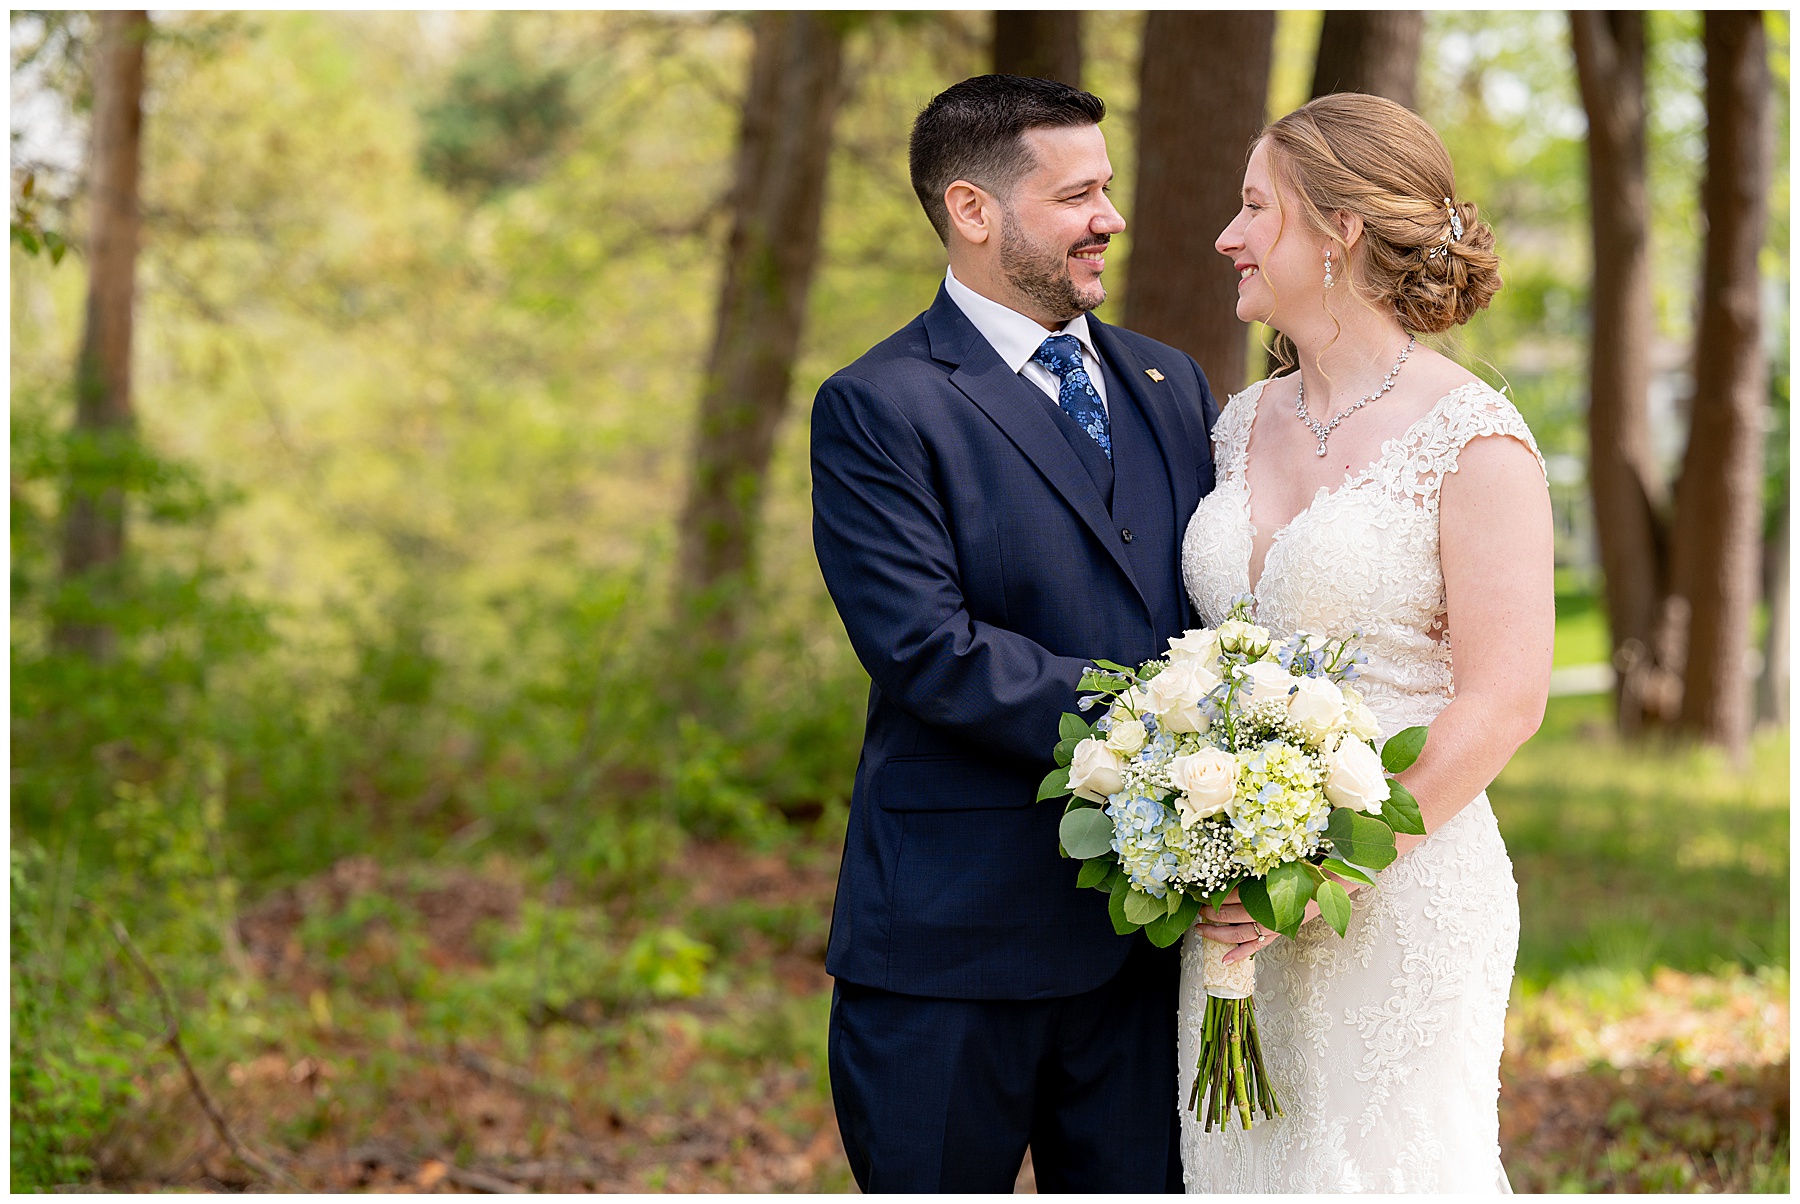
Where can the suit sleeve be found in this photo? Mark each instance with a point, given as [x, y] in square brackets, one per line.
[884, 546]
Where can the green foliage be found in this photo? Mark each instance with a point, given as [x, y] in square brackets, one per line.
[1629, 857]
[500, 119]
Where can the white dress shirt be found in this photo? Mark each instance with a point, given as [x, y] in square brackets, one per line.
[1016, 338]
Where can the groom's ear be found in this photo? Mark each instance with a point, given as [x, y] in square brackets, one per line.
[974, 213]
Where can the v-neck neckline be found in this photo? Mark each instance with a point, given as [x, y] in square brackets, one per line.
[1324, 493]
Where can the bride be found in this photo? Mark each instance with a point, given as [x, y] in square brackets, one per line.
[1372, 483]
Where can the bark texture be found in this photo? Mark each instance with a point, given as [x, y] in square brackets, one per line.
[1372, 52]
[778, 195]
[93, 534]
[1041, 45]
[1622, 473]
[1203, 93]
[1719, 501]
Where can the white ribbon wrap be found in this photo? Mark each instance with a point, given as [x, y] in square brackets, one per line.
[1234, 981]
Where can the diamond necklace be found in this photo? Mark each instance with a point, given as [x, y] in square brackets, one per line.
[1322, 431]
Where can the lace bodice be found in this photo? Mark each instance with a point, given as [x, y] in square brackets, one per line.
[1384, 1046]
[1364, 554]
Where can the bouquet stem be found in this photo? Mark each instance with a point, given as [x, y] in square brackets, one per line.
[1230, 1075]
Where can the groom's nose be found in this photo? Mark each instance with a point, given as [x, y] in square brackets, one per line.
[1109, 220]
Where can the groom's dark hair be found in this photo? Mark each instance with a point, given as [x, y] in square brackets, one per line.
[973, 131]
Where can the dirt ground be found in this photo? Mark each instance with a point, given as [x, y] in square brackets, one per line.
[1683, 1087]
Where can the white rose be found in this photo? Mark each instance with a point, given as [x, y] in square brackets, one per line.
[1265, 680]
[1354, 777]
[1127, 737]
[1174, 695]
[1316, 707]
[1358, 719]
[1096, 771]
[1202, 643]
[1207, 780]
[1235, 635]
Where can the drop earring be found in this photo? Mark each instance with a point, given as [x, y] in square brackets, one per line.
[1328, 280]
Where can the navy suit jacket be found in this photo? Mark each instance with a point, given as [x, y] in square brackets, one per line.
[978, 570]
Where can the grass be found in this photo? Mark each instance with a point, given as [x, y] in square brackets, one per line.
[483, 1023]
[1629, 858]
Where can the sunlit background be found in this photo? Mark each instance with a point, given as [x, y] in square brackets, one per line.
[397, 778]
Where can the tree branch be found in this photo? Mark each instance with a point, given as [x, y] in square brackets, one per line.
[172, 1038]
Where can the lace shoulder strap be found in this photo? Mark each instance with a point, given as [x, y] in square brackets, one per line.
[1231, 434]
[1430, 450]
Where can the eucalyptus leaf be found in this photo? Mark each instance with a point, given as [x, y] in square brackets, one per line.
[1254, 895]
[1073, 727]
[1086, 833]
[1055, 784]
[1334, 905]
[1141, 908]
[1401, 811]
[1344, 869]
[1402, 749]
[1094, 873]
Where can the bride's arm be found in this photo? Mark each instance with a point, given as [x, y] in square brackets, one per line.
[1495, 541]
[1496, 548]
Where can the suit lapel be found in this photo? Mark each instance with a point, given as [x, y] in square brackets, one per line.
[1019, 409]
[1156, 401]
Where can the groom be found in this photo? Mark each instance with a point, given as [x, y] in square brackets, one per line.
[999, 494]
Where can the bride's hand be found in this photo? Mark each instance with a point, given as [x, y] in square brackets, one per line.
[1230, 924]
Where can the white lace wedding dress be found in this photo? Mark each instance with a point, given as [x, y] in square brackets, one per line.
[1383, 1046]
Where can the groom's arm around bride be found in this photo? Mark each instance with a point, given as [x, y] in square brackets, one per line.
[999, 490]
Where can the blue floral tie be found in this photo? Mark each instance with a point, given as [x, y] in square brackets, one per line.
[1061, 353]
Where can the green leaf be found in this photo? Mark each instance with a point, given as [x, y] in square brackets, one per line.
[1055, 784]
[1076, 803]
[1141, 908]
[1115, 666]
[1115, 907]
[1174, 900]
[1401, 811]
[1073, 727]
[1253, 893]
[1289, 886]
[1360, 839]
[1086, 833]
[1065, 750]
[1103, 683]
[1334, 905]
[1169, 929]
[1344, 869]
[1094, 873]
[1402, 749]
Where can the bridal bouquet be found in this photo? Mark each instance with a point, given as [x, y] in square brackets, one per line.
[1231, 763]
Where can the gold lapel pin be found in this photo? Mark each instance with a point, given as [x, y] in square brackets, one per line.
[1154, 375]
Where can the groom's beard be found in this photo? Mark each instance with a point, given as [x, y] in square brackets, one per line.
[1042, 273]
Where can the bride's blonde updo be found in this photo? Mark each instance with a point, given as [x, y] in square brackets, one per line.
[1369, 156]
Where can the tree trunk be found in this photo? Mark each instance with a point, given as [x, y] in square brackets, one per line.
[1772, 687]
[1622, 473]
[784, 144]
[1372, 52]
[1042, 45]
[1203, 92]
[1719, 500]
[93, 536]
